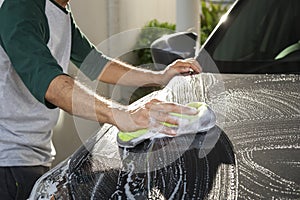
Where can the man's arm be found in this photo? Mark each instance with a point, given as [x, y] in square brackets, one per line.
[75, 99]
[117, 72]
[96, 65]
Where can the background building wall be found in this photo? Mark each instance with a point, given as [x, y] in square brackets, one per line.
[135, 13]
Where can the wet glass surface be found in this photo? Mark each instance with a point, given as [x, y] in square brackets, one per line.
[252, 153]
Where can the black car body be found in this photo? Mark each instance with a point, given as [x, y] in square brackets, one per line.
[257, 37]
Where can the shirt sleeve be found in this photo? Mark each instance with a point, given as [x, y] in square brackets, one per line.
[24, 34]
[85, 55]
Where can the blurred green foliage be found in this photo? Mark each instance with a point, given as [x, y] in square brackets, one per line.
[149, 33]
[211, 14]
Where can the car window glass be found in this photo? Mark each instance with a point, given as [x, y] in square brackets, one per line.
[261, 31]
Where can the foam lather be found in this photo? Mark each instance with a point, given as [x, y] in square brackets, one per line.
[204, 120]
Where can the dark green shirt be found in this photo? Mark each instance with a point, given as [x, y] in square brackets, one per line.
[24, 34]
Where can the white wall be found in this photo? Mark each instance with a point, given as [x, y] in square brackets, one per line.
[135, 13]
[91, 16]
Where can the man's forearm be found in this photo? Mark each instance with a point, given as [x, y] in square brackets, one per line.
[69, 95]
[74, 98]
[116, 72]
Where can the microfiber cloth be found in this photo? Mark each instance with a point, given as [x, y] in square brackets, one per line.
[187, 124]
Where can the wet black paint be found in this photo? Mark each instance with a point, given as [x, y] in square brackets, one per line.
[252, 153]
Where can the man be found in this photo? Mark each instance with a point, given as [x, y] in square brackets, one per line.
[37, 40]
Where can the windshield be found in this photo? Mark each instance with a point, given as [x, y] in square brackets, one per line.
[261, 31]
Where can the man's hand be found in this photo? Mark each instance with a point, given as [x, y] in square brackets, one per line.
[181, 67]
[151, 115]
